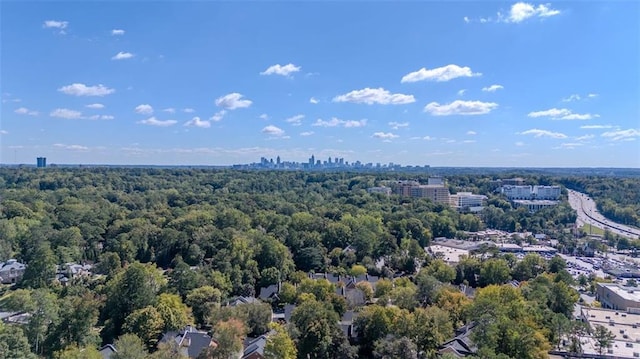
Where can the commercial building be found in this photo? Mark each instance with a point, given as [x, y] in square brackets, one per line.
[531, 192]
[467, 199]
[450, 255]
[625, 326]
[618, 297]
[382, 189]
[533, 205]
[41, 162]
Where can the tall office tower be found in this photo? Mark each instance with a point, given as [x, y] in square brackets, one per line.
[41, 162]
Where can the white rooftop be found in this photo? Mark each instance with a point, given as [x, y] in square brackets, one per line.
[451, 255]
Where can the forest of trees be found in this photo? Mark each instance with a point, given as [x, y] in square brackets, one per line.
[172, 245]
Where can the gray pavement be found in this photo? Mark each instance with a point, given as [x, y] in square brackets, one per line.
[588, 214]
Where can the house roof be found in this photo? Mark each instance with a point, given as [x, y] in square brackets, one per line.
[268, 292]
[256, 345]
[462, 342]
[107, 350]
[12, 264]
[193, 340]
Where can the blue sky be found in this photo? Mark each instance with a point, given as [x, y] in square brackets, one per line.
[206, 83]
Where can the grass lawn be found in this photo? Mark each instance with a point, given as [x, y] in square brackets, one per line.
[589, 229]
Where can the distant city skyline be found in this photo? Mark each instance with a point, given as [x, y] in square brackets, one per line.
[464, 84]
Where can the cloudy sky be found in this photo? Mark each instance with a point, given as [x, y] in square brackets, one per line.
[204, 83]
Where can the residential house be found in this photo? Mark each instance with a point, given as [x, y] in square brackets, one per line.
[461, 346]
[283, 315]
[241, 300]
[11, 271]
[254, 347]
[270, 292]
[346, 324]
[192, 342]
[107, 351]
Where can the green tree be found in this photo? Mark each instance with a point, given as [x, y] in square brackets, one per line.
[434, 328]
[13, 343]
[146, 323]
[441, 271]
[529, 267]
[317, 325]
[43, 318]
[129, 346]
[604, 338]
[174, 313]
[134, 288]
[494, 271]
[74, 352]
[391, 347]
[202, 300]
[41, 269]
[428, 287]
[229, 335]
[556, 264]
[168, 350]
[279, 344]
[78, 316]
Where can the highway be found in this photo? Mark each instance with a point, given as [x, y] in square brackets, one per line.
[588, 214]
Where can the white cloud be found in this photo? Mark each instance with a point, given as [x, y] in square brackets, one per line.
[313, 100]
[144, 109]
[188, 110]
[461, 92]
[71, 147]
[170, 110]
[584, 138]
[622, 135]
[306, 133]
[471, 133]
[569, 145]
[218, 116]
[282, 70]
[554, 112]
[66, 113]
[459, 107]
[384, 135]
[54, 24]
[492, 88]
[595, 127]
[117, 32]
[577, 116]
[4, 132]
[122, 56]
[469, 141]
[78, 89]
[295, 120]
[264, 116]
[396, 125]
[26, 111]
[562, 114]
[543, 133]
[466, 19]
[233, 101]
[519, 143]
[522, 11]
[106, 117]
[152, 121]
[439, 74]
[592, 95]
[574, 97]
[372, 96]
[335, 122]
[273, 131]
[99, 117]
[95, 106]
[197, 122]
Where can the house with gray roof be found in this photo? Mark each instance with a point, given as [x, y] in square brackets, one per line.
[11, 271]
[191, 342]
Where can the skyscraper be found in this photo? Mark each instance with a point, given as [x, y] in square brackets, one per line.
[41, 162]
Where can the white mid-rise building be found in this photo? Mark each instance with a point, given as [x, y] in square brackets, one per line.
[546, 192]
[517, 192]
[467, 199]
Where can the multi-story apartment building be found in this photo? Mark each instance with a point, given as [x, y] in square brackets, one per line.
[546, 192]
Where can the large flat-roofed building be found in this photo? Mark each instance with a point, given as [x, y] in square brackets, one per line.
[467, 199]
[534, 205]
[516, 192]
[436, 193]
[531, 192]
[546, 192]
[382, 190]
[625, 327]
[618, 297]
[450, 255]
